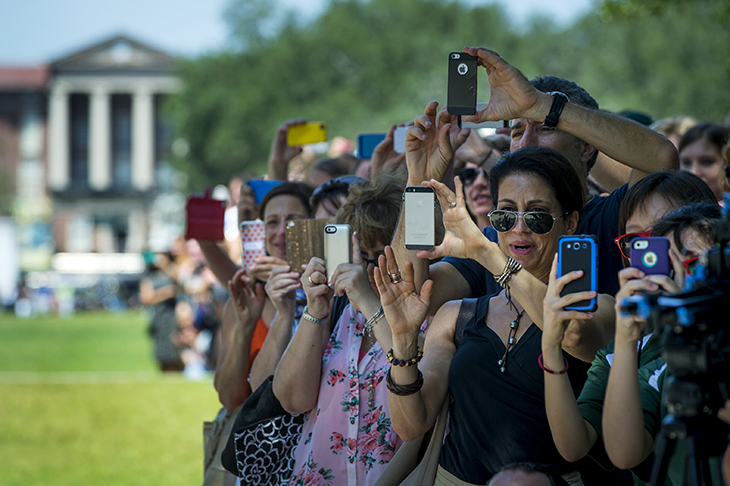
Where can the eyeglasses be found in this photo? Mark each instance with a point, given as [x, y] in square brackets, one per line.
[368, 261]
[538, 222]
[624, 242]
[469, 174]
[690, 265]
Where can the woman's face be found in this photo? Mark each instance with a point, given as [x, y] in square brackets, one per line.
[703, 159]
[477, 194]
[327, 208]
[523, 193]
[278, 210]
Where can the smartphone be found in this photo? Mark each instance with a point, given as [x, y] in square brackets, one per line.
[337, 246]
[420, 222]
[651, 255]
[367, 142]
[579, 252]
[261, 188]
[253, 239]
[312, 132]
[205, 218]
[399, 139]
[486, 124]
[462, 94]
[304, 240]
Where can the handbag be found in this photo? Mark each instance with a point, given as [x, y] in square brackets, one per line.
[215, 436]
[416, 462]
[260, 447]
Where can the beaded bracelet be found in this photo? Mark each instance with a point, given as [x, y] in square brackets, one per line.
[403, 390]
[510, 268]
[405, 362]
[563, 371]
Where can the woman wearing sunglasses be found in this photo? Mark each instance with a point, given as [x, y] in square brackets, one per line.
[576, 425]
[490, 366]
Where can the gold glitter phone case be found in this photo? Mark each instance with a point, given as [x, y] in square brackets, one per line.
[304, 240]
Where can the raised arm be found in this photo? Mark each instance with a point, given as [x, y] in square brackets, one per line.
[414, 414]
[240, 316]
[281, 289]
[512, 96]
[281, 154]
[627, 441]
[573, 435]
[297, 377]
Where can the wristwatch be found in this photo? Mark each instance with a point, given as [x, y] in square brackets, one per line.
[559, 100]
[306, 315]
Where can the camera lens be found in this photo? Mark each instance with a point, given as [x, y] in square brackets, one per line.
[455, 56]
[585, 245]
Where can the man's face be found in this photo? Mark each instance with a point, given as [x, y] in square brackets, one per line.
[529, 133]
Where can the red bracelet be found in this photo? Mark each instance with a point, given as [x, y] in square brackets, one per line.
[564, 370]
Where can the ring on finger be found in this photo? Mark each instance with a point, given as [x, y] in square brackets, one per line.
[310, 280]
[395, 277]
[452, 204]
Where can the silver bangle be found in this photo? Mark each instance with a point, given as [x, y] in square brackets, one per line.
[373, 321]
[510, 268]
[306, 315]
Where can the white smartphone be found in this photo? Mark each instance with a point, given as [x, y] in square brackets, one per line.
[399, 139]
[337, 246]
[420, 223]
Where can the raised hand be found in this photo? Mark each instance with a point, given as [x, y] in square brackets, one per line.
[281, 289]
[462, 237]
[430, 144]
[555, 317]
[261, 270]
[352, 279]
[281, 154]
[314, 283]
[385, 158]
[247, 208]
[247, 302]
[510, 93]
[404, 308]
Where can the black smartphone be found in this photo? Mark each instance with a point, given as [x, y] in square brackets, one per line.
[420, 222]
[579, 252]
[462, 95]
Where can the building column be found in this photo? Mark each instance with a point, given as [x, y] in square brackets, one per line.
[143, 138]
[58, 139]
[100, 167]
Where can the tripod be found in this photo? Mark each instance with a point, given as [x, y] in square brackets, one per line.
[690, 422]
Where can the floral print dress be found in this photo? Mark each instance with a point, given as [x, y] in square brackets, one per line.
[347, 438]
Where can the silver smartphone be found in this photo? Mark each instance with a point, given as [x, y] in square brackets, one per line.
[337, 246]
[420, 223]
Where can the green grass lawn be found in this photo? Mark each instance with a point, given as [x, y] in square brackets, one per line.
[108, 418]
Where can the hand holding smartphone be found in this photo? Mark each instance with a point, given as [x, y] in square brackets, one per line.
[651, 255]
[420, 222]
[462, 94]
[304, 240]
[312, 132]
[253, 239]
[337, 246]
[579, 252]
[367, 142]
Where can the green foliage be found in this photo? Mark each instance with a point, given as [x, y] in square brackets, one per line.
[363, 65]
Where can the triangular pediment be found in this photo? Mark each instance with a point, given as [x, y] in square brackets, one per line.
[118, 54]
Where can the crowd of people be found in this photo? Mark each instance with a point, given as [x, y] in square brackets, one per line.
[535, 393]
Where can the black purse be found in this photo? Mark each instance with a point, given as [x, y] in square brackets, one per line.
[260, 448]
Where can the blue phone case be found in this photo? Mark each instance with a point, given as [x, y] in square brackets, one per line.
[579, 252]
[651, 255]
[261, 188]
[367, 142]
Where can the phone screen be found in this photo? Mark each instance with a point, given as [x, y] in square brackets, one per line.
[420, 223]
[579, 252]
[462, 95]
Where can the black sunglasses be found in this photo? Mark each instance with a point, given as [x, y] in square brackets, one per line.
[468, 174]
[338, 183]
[538, 222]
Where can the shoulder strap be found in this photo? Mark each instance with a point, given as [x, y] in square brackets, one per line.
[466, 312]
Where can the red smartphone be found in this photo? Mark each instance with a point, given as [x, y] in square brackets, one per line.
[205, 218]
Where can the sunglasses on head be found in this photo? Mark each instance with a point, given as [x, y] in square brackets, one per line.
[539, 222]
[469, 174]
[624, 242]
[337, 184]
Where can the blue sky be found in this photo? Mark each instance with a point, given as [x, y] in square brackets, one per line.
[37, 31]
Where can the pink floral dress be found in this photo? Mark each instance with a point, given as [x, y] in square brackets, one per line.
[347, 439]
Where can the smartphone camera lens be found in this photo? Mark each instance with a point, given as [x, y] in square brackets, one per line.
[455, 56]
[330, 229]
[585, 245]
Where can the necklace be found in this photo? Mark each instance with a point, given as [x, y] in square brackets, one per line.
[511, 340]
